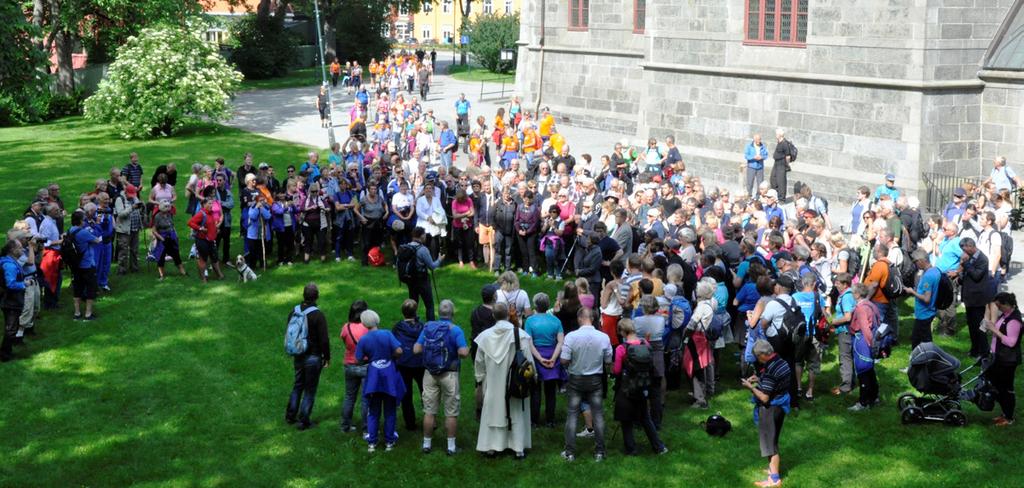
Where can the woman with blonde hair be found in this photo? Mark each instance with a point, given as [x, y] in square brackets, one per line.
[517, 300]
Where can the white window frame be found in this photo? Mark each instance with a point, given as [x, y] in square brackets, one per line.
[488, 6]
[508, 7]
[446, 6]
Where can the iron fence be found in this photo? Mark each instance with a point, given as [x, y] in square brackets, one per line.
[494, 88]
[938, 189]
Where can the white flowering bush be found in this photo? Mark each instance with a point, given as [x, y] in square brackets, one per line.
[164, 78]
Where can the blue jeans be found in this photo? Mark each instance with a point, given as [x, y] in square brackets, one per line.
[551, 254]
[104, 253]
[307, 378]
[889, 316]
[591, 389]
[446, 159]
[378, 400]
[353, 383]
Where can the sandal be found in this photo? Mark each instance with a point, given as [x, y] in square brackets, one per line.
[768, 482]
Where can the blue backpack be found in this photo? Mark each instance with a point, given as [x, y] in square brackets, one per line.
[297, 334]
[678, 305]
[435, 347]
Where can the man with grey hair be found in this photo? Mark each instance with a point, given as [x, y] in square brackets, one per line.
[442, 345]
[770, 388]
[1003, 177]
[784, 155]
[384, 386]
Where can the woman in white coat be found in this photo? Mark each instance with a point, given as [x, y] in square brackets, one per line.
[494, 357]
[430, 215]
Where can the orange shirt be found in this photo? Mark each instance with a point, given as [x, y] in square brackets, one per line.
[499, 123]
[510, 143]
[546, 124]
[557, 141]
[878, 274]
[335, 68]
[529, 139]
[474, 144]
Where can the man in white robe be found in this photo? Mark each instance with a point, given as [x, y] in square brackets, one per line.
[494, 356]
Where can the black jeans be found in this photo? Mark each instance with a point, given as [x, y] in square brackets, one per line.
[51, 298]
[550, 390]
[591, 389]
[868, 387]
[285, 245]
[629, 440]
[12, 321]
[372, 236]
[422, 292]
[464, 240]
[979, 342]
[307, 379]
[922, 332]
[409, 375]
[778, 179]
[528, 251]
[224, 243]
[1001, 376]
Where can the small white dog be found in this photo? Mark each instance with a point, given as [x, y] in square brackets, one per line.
[245, 273]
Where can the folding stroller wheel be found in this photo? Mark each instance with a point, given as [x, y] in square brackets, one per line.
[911, 415]
[905, 400]
[955, 418]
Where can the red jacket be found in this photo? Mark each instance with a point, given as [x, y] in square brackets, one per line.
[204, 230]
[864, 316]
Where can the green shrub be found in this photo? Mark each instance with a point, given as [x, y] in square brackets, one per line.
[358, 32]
[265, 49]
[65, 105]
[488, 35]
[162, 80]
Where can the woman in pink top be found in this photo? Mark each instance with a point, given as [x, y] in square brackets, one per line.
[586, 298]
[631, 409]
[162, 192]
[1006, 354]
[463, 235]
[355, 373]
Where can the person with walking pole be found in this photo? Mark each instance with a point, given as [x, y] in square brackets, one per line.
[257, 255]
[415, 269]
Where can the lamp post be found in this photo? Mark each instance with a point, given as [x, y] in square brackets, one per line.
[323, 76]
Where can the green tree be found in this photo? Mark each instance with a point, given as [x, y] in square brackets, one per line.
[488, 35]
[265, 48]
[23, 92]
[163, 79]
[359, 32]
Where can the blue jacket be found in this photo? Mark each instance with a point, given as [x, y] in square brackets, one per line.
[252, 231]
[13, 276]
[752, 152]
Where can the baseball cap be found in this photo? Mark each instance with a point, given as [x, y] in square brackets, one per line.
[959, 192]
[783, 256]
[264, 166]
[786, 281]
[890, 177]
[772, 194]
[131, 190]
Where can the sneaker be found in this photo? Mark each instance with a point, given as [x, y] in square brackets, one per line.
[77, 317]
[366, 436]
[598, 457]
[585, 434]
[371, 448]
[858, 407]
[105, 287]
[389, 447]
[568, 457]
[350, 428]
[350, 258]
[426, 450]
[451, 452]
[662, 451]
[337, 260]
[1004, 422]
[89, 318]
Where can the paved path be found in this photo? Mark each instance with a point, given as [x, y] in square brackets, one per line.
[290, 114]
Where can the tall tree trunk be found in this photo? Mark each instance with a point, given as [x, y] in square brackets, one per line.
[37, 21]
[328, 17]
[65, 42]
[465, 6]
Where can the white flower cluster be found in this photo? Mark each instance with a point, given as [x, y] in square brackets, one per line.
[163, 79]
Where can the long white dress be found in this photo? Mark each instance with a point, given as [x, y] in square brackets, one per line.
[493, 360]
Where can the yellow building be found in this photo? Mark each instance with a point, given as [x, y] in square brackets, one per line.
[440, 20]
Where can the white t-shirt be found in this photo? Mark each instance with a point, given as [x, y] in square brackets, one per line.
[518, 299]
[775, 314]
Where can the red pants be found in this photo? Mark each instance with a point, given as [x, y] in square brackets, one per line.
[610, 326]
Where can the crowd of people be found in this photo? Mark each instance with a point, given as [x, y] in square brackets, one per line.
[669, 270]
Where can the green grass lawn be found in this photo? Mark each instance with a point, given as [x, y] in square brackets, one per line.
[478, 73]
[179, 384]
[295, 78]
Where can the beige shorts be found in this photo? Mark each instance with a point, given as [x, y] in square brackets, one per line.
[485, 235]
[434, 387]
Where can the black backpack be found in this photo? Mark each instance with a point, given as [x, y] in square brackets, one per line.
[853, 262]
[1007, 251]
[717, 425]
[522, 376]
[793, 152]
[405, 262]
[945, 293]
[794, 323]
[908, 269]
[70, 253]
[637, 368]
[893, 287]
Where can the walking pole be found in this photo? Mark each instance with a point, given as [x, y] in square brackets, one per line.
[567, 256]
[433, 282]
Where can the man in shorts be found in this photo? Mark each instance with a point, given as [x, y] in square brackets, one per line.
[808, 354]
[444, 382]
[205, 228]
[83, 282]
[771, 395]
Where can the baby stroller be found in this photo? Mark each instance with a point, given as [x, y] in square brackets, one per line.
[937, 375]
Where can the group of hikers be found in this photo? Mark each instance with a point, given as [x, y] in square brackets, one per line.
[669, 270]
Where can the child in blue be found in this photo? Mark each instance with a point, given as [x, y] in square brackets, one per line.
[384, 386]
[924, 299]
